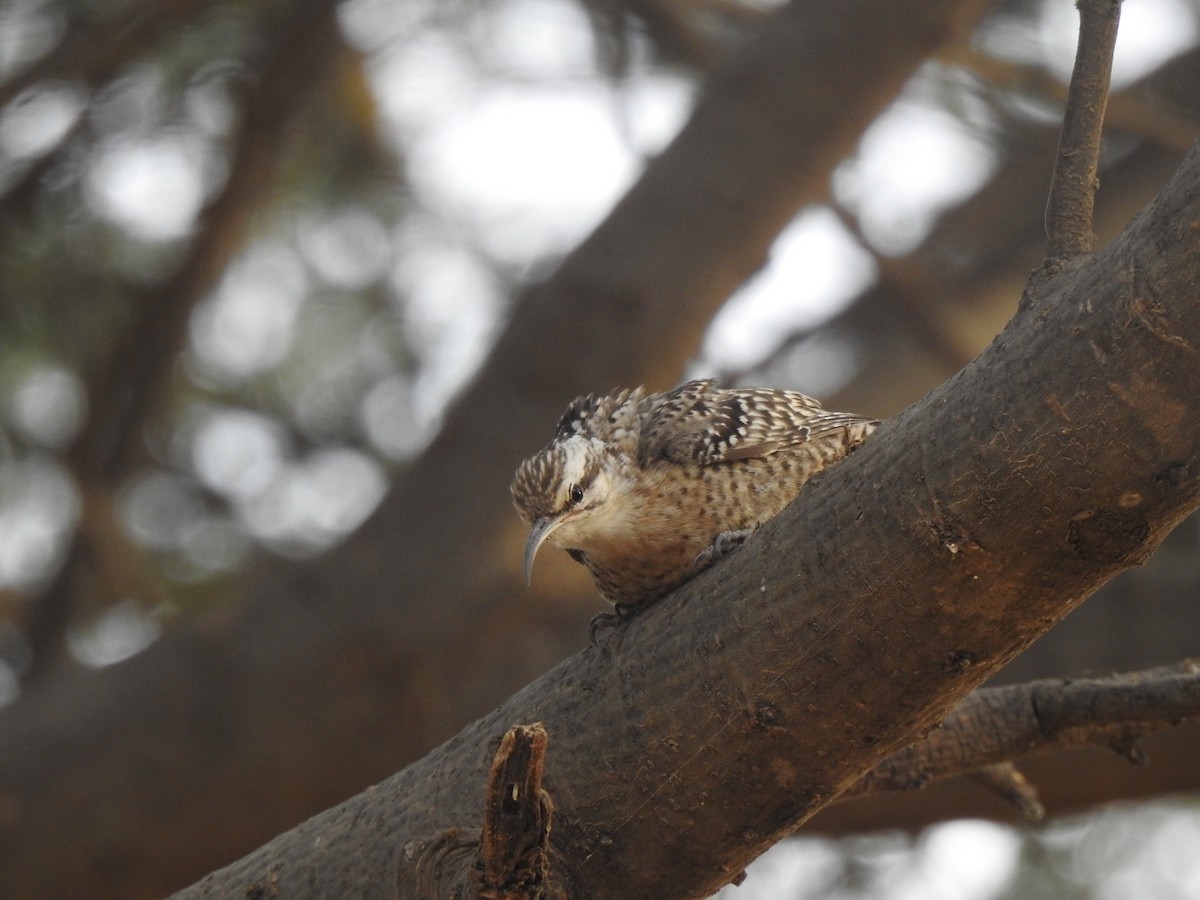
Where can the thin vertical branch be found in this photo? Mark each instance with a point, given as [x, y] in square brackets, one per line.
[1073, 189]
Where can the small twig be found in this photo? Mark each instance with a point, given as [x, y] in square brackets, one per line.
[1010, 785]
[514, 844]
[995, 726]
[1073, 188]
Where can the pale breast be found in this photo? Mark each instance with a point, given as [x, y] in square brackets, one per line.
[683, 509]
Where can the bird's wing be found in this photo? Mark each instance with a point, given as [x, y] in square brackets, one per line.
[703, 424]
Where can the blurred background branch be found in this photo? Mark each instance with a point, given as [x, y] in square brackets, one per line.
[130, 379]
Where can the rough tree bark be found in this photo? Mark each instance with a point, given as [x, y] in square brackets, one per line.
[335, 673]
[720, 719]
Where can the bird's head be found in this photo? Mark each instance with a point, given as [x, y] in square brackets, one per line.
[563, 494]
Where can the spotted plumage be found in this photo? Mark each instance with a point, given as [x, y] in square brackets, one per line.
[646, 489]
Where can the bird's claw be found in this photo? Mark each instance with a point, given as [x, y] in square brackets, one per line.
[622, 612]
[723, 544]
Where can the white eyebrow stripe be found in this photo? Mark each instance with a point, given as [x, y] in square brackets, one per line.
[578, 451]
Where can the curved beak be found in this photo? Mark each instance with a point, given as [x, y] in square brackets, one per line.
[542, 529]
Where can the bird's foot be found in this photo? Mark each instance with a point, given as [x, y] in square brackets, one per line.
[622, 613]
[723, 544]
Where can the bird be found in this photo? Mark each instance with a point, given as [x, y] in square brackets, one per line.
[646, 490]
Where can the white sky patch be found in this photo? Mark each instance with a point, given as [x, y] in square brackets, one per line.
[34, 122]
[154, 188]
[28, 30]
[349, 249]
[48, 405]
[1171, 852]
[119, 633]
[316, 502]
[417, 81]
[238, 453]
[964, 860]
[371, 25]
[803, 869]
[390, 421]
[1142, 852]
[210, 105]
[1151, 31]
[814, 269]
[159, 509]
[913, 162]
[38, 510]
[451, 310]
[249, 325]
[521, 137]
[533, 168]
[541, 39]
[821, 364]
[653, 108]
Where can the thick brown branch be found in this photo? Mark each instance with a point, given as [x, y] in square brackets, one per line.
[1073, 189]
[1004, 724]
[852, 624]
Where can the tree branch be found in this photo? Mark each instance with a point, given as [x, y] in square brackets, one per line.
[980, 738]
[1004, 724]
[1073, 190]
[1007, 782]
[850, 625]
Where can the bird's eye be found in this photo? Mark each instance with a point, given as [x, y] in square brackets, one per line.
[575, 495]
